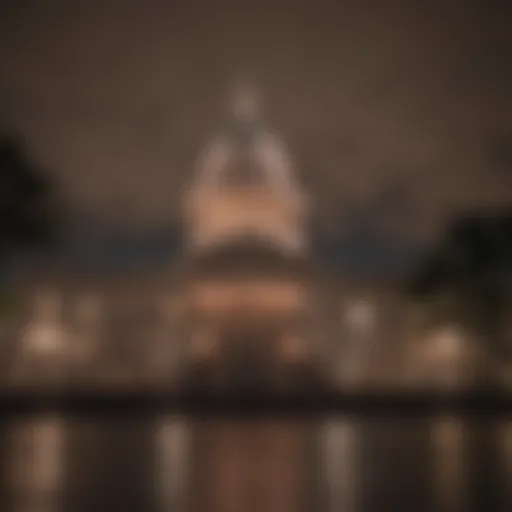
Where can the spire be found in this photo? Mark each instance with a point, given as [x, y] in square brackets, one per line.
[245, 115]
[244, 102]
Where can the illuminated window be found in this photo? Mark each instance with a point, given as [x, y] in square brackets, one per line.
[360, 315]
[43, 338]
[447, 343]
[44, 334]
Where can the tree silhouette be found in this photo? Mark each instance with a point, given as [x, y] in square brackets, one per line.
[466, 278]
[28, 201]
[29, 213]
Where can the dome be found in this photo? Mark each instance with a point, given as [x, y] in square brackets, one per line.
[244, 186]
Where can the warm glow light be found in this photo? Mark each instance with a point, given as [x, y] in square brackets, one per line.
[360, 314]
[340, 445]
[447, 343]
[247, 211]
[44, 339]
[34, 458]
[172, 454]
[218, 296]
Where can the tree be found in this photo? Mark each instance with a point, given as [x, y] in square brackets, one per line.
[29, 211]
[28, 203]
[466, 278]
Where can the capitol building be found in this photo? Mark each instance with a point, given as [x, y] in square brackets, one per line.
[247, 301]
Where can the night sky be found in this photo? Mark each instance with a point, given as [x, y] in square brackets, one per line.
[401, 110]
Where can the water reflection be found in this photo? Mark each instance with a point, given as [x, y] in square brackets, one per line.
[339, 450]
[504, 436]
[449, 445]
[34, 459]
[111, 465]
[172, 444]
[172, 463]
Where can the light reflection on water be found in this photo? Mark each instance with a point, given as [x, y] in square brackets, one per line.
[504, 434]
[449, 444]
[362, 465]
[34, 457]
[339, 445]
[172, 444]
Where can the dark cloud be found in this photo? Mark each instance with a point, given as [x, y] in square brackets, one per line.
[117, 97]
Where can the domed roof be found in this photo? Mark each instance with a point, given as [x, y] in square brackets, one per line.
[246, 152]
[245, 185]
[242, 169]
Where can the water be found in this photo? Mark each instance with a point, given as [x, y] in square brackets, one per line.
[341, 463]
